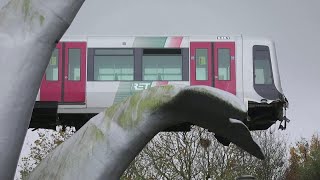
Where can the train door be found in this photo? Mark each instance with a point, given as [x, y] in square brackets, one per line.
[51, 85]
[213, 64]
[224, 66]
[74, 72]
[65, 77]
[201, 63]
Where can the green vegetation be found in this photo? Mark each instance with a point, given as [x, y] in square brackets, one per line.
[26, 7]
[110, 111]
[98, 133]
[143, 102]
[41, 19]
[304, 161]
[40, 148]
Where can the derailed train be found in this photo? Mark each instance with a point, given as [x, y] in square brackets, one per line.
[87, 74]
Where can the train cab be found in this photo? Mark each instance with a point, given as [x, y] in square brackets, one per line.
[262, 85]
[87, 74]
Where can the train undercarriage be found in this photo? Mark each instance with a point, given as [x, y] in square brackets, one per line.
[45, 116]
[260, 116]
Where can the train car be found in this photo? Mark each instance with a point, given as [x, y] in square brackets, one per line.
[87, 74]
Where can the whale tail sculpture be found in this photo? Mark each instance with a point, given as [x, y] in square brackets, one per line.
[104, 147]
[29, 30]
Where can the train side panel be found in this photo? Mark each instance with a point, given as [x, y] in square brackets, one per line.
[262, 90]
[246, 67]
[266, 77]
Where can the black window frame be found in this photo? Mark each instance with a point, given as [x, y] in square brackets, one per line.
[230, 60]
[195, 72]
[256, 48]
[93, 54]
[79, 65]
[170, 52]
[138, 72]
[266, 91]
[58, 63]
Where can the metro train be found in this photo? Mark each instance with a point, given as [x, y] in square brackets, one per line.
[87, 74]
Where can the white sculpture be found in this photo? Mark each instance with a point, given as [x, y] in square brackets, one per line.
[28, 32]
[104, 147]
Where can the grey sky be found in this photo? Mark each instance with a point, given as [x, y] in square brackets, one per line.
[293, 25]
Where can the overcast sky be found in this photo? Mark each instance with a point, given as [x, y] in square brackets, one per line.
[293, 25]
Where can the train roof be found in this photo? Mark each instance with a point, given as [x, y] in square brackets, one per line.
[163, 40]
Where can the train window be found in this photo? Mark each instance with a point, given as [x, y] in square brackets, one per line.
[74, 65]
[113, 65]
[201, 64]
[224, 59]
[52, 72]
[162, 64]
[262, 65]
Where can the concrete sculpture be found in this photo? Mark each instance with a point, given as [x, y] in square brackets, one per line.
[104, 147]
[29, 30]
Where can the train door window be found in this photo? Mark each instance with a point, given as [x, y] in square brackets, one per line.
[74, 64]
[201, 64]
[224, 59]
[262, 65]
[162, 64]
[52, 72]
[113, 65]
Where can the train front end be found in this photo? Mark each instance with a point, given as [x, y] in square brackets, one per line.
[262, 86]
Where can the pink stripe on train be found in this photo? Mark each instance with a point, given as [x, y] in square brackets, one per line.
[175, 42]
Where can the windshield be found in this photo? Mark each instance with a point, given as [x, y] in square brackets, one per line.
[262, 65]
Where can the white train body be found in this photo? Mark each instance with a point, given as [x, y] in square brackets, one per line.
[88, 74]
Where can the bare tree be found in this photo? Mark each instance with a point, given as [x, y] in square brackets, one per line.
[39, 149]
[184, 155]
[198, 155]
